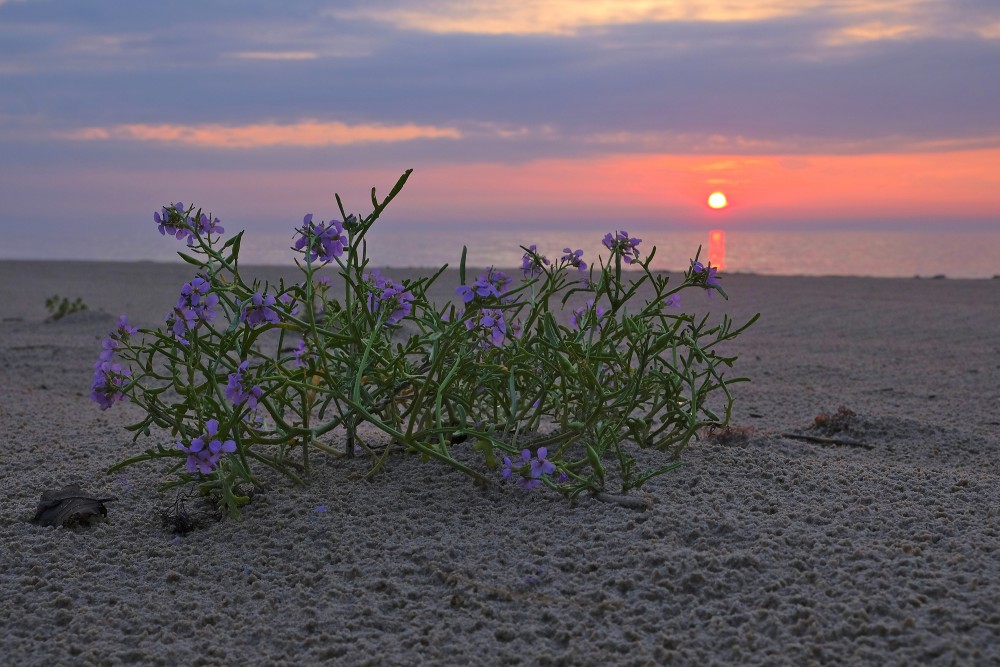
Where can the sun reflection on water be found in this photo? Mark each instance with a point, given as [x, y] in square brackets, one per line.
[717, 248]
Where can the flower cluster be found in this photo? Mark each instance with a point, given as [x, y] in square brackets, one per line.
[176, 222]
[116, 339]
[208, 225]
[532, 262]
[203, 457]
[324, 241]
[530, 469]
[109, 383]
[195, 306]
[574, 258]
[237, 393]
[706, 273]
[624, 245]
[259, 309]
[110, 378]
[383, 293]
[490, 324]
[397, 301]
[493, 283]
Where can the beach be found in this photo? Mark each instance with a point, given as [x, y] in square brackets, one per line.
[764, 548]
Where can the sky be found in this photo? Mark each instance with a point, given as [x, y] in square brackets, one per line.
[568, 114]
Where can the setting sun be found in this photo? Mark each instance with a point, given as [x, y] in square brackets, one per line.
[717, 200]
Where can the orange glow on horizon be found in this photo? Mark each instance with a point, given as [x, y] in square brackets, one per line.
[668, 189]
[957, 184]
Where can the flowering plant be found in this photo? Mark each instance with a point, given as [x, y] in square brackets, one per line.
[244, 374]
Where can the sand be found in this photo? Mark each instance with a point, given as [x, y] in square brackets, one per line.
[760, 550]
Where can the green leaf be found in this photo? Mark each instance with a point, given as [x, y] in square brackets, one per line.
[191, 260]
[595, 462]
[489, 453]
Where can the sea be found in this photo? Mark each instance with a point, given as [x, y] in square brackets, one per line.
[812, 253]
[894, 254]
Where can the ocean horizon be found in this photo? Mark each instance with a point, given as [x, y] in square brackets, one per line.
[797, 253]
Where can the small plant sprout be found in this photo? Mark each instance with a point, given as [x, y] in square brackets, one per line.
[60, 307]
[547, 393]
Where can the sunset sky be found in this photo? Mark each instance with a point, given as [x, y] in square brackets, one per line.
[849, 114]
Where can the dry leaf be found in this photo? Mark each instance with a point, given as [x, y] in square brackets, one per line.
[69, 506]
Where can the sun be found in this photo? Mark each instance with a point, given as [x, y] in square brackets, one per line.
[717, 200]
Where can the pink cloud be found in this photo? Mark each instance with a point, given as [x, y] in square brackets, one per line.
[305, 133]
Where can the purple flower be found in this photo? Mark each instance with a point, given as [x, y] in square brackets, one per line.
[622, 244]
[324, 241]
[540, 465]
[383, 292]
[373, 284]
[208, 225]
[179, 322]
[236, 392]
[491, 325]
[108, 383]
[195, 306]
[586, 315]
[124, 330]
[498, 279]
[573, 258]
[301, 355]
[480, 288]
[398, 302]
[508, 468]
[532, 262]
[711, 280]
[530, 468]
[108, 347]
[672, 301]
[493, 283]
[523, 464]
[204, 457]
[290, 302]
[198, 301]
[175, 221]
[259, 309]
[116, 339]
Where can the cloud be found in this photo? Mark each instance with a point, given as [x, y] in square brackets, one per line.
[275, 55]
[562, 17]
[871, 32]
[718, 144]
[859, 19]
[308, 133]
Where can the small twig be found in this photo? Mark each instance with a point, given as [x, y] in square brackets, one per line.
[631, 502]
[828, 441]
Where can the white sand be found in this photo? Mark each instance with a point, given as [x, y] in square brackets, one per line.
[772, 551]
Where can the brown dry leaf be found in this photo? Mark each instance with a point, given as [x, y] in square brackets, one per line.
[69, 506]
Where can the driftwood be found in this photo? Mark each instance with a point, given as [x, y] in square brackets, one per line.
[69, 506]
[630, 502]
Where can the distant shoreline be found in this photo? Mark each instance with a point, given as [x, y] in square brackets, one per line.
[511, 270]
